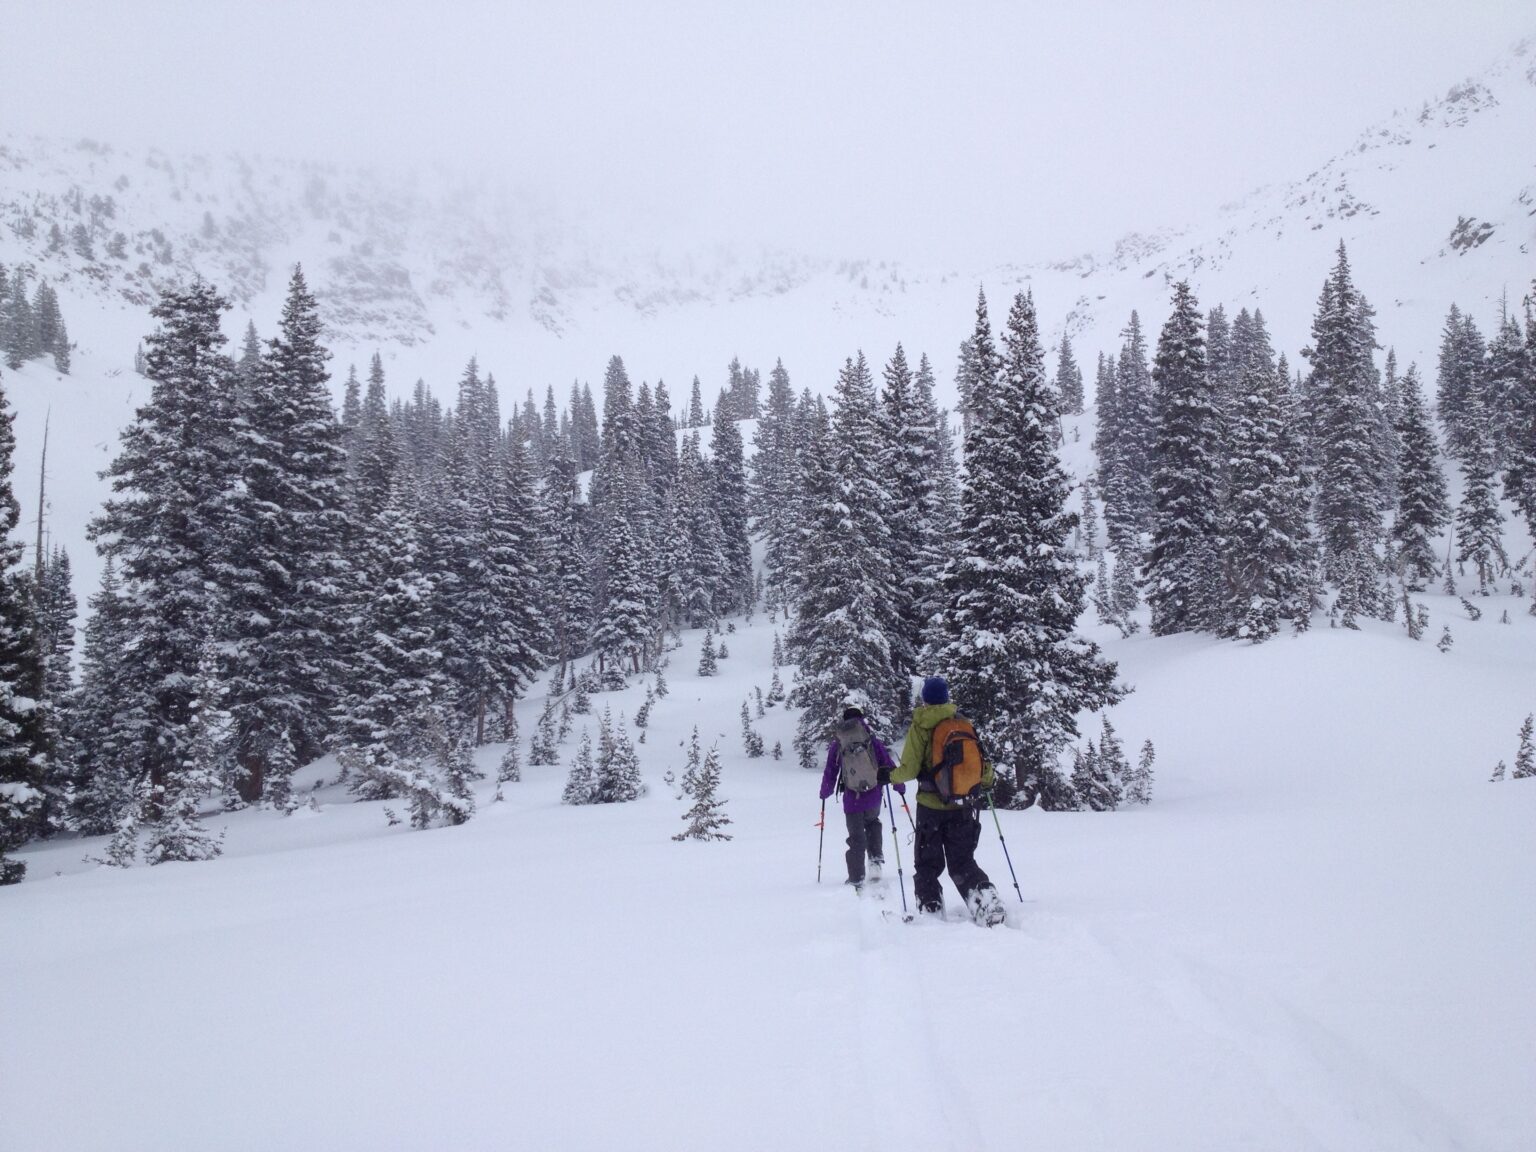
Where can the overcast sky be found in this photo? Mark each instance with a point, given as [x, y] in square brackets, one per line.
[948, 131]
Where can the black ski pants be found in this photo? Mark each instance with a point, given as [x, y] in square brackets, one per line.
[948, 837]
[863, 839]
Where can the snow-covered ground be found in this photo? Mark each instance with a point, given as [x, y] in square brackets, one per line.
[1317, 937]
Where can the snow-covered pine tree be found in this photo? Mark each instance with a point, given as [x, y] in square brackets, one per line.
[1139, 788]
[102, 734]
[917, 531]
[285, 601]
[729, 497]
[1114, 770]
[707, 664]
[774, 471]
[52, 601]
[509, 770]
[171, 816]
[1182, 567]
[1460, 383]
[581, 781]
[706, 818]
[1479, 520]
[1084, 785]
[397, 674]
[1136, 410]
[846, 633]
[1264, 552]
[542, 746]
[1422, 509]
[1069, 379]
[1007, 643]
[168, 527]
[568, 610]
[1498, 773]
[751, 740]
[1503, 379]
[625, 623]
[1344, 421]
[21, 782]
[618, 768]
[701, 560]
[1525, 755]
[1520, 450]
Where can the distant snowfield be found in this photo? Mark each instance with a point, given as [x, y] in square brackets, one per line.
[1318, 936]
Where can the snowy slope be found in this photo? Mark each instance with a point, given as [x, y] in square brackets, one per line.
[1318, 936]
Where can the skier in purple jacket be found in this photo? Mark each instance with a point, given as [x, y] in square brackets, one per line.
[861, 810]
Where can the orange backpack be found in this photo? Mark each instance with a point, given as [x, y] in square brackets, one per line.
[955, 760]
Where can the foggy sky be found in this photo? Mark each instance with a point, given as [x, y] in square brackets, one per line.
[953, 132]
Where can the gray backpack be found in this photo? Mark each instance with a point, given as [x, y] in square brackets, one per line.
[856, 750]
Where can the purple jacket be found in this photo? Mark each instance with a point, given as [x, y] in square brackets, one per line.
[857, 801]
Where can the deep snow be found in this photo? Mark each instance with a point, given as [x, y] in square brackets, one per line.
[1318, 936]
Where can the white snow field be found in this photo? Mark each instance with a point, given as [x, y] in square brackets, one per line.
[1319, 936]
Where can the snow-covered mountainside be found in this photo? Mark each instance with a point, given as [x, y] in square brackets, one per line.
[1437, 204]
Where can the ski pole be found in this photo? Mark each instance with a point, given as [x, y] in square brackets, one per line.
[901, 884]
[820, 837]
[1004, 843]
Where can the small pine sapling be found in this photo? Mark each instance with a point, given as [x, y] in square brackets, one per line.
[1144, 774]
[582, 704]
[661, 685]
[724, 652]
[565, 724]
[581, 783]
[1445, 640]
[706, 819]
[1504, 617]
[752, 742]
[1472, 610]
[541, 748]
[775, 691]
[510, 770]
[707, 665]
[778, 750]
[1498, 773]
[757, 692]
[1525, 758]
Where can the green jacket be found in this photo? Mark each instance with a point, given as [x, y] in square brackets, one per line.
[914, 754]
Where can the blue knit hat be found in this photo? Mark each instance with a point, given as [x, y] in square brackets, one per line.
[935, 690]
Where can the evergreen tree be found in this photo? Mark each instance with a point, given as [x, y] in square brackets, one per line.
[21, 772]
[1423, 510]
[847, 633]
[1137, 413]
[1069, 380]
[1344, 420]
[706, 818]
[1007, 642]
[397, 674]
[1181, 570]
[1264, 550]
[1460, 384]
[101, 736]
[1503, 380]
[1479, 522]
[625, 623]
[1525, 757]
[917, 530]
[286, 601]
[728, 473]
[618, 768]
[569, 608]
[774, 472]
[168, 526]
[581, 782]
[61, 349]
[1138, 787]
[53, 628]
[707, 664]
[695, 406]
[1520, 452]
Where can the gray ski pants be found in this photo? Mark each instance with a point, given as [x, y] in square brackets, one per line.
[863, 840]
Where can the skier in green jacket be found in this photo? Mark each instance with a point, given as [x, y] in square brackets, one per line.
[947, 834]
